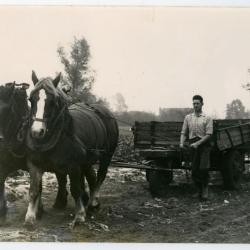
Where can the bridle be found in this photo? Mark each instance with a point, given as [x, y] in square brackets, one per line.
[55, 127]
[34, 119]
[52, 118]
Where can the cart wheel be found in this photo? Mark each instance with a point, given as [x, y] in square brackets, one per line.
[233, 167]
[158, 180]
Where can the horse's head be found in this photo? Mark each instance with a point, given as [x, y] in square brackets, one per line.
[47, 102]
[13, 105]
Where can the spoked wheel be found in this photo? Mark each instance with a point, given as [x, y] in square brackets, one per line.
[233, 167]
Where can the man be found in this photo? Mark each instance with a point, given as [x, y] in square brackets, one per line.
[198, 128]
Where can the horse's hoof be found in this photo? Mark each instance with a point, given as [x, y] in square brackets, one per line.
[30, 223]
[94, 207]
[79, 220]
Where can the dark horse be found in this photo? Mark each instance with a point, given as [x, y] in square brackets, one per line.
[67, 141]
[14, 112]
[14, 117]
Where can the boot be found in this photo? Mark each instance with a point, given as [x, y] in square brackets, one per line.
[204, 192]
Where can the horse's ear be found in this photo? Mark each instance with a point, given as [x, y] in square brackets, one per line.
[57, 80]
[34, 77]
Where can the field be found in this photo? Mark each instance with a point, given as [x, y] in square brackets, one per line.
[129, 213]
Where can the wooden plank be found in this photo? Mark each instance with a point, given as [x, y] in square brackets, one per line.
[167, 142]
[229, 122]
[233, 136]
[168, 133]
[143, 142]
[157, 132]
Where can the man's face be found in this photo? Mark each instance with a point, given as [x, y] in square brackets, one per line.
[197, 105]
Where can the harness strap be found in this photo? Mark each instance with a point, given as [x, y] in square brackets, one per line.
[38, 119]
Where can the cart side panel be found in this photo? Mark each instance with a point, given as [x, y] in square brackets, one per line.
[165, 134]
[233, 136]
[156, 134]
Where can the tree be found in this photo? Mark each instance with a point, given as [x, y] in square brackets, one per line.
[235, 110]
[120, 104]
[78, 75]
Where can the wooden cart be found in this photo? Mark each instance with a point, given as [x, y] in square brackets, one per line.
[158, 143]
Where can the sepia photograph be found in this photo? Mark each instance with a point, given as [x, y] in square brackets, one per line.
[124, 124]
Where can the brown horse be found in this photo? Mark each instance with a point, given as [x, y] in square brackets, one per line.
[14, 114]
[67, 141]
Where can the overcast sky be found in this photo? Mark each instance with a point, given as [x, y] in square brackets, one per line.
[155, 57]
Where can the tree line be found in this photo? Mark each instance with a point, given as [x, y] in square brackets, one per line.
[78, 79]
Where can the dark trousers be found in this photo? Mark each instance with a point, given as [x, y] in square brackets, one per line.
[201, 163]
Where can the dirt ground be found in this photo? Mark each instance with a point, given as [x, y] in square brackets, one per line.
[128, 212]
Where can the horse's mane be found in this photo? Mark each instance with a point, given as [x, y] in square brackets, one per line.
[15, 117]
[2, 91]
[48, 86]
[21, 99]
[5, 91]
[8, 91]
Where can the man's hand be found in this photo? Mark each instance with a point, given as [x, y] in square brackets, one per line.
[181, 146]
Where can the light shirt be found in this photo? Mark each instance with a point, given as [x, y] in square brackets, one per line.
[197, 126]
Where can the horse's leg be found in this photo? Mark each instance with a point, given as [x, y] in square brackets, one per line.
[85, 196]
[40, 204]
[101, 175]
[62, 193]
[34, 194]
[76, 191]
[91, 178]
[3, 206]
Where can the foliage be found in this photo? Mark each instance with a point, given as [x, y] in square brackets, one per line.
[173, 114]
[120, 104]
[78, 75]
[236, 110]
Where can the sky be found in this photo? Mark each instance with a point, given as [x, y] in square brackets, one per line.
[154, 56]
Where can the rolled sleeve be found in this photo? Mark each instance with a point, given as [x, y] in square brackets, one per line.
[209, 126]
[184, 130]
